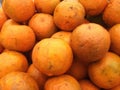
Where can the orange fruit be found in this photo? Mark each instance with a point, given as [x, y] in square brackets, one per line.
[63, 82]
[88, 85]
[20, 11]
[63, 35]
[17, 37]
[105, 73]
[78, 69]
[18, 81]
[52, 56]
[3, 17]
[12, 61]
[68, 14]
[46, 6]
[114, 88]
[37, 75]
[90, 42]
[43, 25]
[111, 13]
[115, 35]
[94, 7]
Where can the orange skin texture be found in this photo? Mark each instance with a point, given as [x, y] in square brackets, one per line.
[114, 88]
[12, 61]
[3, 17]
[37, 75]
[63, 82]
[17, 37]
[43, 25]
[88, 85]
[105, 73]
[20, 11]
[52, 56]
[66, 36]
[46, 6]
[111, 13]
[68, 14]
[115, 38]
[94, 7]
[18, 81]
[90, 42]
[78, 69]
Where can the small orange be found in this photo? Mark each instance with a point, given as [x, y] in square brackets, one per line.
[18, 81]
[17, 37]
[19, 10]
[88, 85]
[111, 13]
[63, 35]
[115, 41]
[63, 82]
[37, 75]
[78, 69]
[68, 14]
[12, 61]
[94, 7]
[52, 56]
[46, 6]
[43, 25]
[3, 17]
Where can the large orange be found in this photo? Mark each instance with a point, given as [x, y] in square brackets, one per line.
[90, 42]
[52, 56]
[105, 73]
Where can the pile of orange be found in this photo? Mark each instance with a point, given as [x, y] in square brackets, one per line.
[60, 45]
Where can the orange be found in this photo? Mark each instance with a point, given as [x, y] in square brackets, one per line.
[111, 13]
[114, 88]
[17, 37]
[90, 42]
[19, 10]
[115, 35]
[43, 25]
[78, 69]
[46, 6]
[105, 73]
[18, 81]
[3, 17]
[52, 56]
[63, 82]
[63, 35]
[94, 7]
[37, 75]
[88, 85]
[68, 14]
[12, 61]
